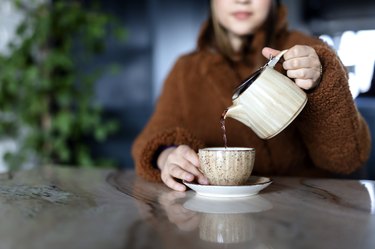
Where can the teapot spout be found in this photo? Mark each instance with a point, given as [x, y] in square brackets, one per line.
[233, 111]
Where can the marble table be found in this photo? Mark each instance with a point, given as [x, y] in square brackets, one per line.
[57, 207]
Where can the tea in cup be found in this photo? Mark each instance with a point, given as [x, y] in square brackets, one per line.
[227, 165]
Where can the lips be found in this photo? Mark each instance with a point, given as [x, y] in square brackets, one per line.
[241, 15]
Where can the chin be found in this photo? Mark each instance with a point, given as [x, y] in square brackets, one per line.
[243, 32]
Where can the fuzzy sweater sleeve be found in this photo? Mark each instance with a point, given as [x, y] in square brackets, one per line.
[165, 127]
[334, 132]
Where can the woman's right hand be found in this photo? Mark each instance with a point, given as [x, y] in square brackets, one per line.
[180, 163]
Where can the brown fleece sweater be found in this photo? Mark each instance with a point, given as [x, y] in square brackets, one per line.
[329, 135]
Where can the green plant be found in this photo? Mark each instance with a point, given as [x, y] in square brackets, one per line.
[46, 100]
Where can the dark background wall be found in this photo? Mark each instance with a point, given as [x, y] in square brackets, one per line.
[160, 30]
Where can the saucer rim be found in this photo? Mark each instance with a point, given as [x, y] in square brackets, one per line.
[224, 191]
[247, 184]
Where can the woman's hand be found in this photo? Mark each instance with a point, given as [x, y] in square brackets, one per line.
[180, 163]
[302, 64]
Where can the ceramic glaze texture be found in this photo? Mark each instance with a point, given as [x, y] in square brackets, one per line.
[269, 105]
[227, 166]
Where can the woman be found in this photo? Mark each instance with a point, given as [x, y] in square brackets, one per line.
[329, 136]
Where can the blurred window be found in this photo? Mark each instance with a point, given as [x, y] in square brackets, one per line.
[357, 51]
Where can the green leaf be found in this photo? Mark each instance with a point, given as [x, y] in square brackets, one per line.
[63, 122]
[43, 86]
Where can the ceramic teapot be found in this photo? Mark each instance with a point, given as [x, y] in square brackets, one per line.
[267, 101]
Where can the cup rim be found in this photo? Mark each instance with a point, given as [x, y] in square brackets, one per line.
[223, 149]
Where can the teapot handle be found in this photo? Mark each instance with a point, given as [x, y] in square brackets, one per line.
[272, 62]
[243, 86]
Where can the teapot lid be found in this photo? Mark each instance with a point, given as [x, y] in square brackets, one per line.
[244, 85]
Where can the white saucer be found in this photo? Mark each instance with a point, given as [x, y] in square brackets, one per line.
[252, 187]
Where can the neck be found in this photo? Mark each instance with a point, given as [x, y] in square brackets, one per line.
[235, 41]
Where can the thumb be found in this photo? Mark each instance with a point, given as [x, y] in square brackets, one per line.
[268, 52]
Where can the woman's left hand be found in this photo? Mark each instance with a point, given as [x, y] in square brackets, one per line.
[301, 63]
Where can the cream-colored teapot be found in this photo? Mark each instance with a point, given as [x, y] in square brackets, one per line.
[267, 101]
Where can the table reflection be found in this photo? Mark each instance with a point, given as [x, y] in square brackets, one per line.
[219, 220]
[290, 213]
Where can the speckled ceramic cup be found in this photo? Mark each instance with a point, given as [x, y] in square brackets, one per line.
[227, 166]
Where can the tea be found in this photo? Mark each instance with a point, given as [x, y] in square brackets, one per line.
[222, 122]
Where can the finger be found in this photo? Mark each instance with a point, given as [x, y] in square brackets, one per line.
[189, 162]
[305, 83]
[269, 52]
[188, 159]
[186, 165]
[183, 163]
[169, 179]
[173, 184]
[299, 51]
[301, 62]
[190, 168]
[178, 172]
[202, 179]
[188, 153]
[302, 73]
